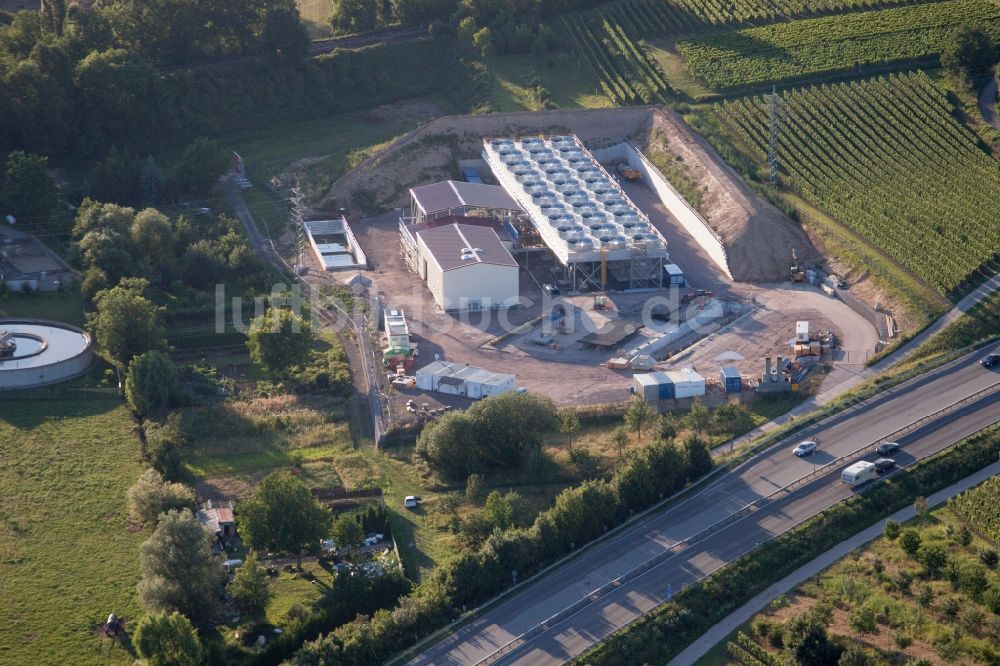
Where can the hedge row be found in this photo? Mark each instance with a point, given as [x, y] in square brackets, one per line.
[659, 636]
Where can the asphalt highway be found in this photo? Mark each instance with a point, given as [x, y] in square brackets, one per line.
[539, 612]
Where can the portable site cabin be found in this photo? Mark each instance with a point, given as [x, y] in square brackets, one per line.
[464, 380]
[687, 383]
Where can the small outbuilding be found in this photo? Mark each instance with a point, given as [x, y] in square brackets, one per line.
[218, 521]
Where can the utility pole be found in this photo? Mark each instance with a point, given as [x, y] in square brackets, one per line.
[298, 224]
[772, 145]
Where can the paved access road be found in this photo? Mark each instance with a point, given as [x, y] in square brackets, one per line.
[771, 470]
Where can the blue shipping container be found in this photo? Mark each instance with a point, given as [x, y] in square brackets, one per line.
[730, 376]
[674, 275]
[666, 390]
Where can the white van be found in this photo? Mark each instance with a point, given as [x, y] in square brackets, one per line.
[858, 473]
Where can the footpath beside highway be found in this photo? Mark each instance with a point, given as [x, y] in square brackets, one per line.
[740, 616]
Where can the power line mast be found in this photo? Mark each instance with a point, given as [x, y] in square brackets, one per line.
[297, 214]
[772, 143]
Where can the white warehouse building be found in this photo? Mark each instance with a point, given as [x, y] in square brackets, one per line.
[467, 267]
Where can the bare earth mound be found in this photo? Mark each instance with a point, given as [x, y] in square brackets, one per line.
[758, 237]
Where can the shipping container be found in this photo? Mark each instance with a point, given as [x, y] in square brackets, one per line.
[673, 276]
[731, 379]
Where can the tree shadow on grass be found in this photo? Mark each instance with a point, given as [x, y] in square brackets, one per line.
[26, 410]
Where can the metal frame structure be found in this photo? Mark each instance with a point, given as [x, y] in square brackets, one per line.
[585, 219]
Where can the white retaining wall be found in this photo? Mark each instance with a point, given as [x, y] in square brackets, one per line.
[689, 218]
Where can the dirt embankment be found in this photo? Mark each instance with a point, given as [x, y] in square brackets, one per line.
[431, 152]
[758, 237]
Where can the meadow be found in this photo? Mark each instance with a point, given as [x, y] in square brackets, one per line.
[68, 555]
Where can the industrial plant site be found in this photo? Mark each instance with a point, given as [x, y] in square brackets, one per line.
[544, 264]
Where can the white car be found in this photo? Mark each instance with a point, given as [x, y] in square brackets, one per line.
[805, 448]
[410, 502]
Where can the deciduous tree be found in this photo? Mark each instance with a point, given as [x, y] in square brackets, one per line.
[151, 496]
[250, 588]
[28, 193]
[167, 639]
[283, 516]
[179, 572]
[126, 323]
[638, 415]
[347, 532]
[151, 382]
[279, 340]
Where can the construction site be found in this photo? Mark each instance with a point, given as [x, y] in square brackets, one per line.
[570, 268]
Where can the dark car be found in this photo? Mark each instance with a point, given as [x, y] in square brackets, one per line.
[883, 465]
[887, 448]
[990, 361]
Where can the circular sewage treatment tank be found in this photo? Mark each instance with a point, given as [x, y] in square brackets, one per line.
[45, 352]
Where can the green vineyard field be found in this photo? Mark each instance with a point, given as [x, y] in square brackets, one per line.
[626, 73]
[831, 44]
[979, 507]
[671, 17]
[887, 159]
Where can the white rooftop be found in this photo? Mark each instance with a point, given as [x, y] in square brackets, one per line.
[576, 206]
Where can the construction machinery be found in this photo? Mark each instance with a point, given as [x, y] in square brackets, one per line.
[698, 293]
[627, 172]
[796, 272]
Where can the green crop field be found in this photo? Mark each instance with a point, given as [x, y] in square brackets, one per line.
[832, 43]
[887, 158]
[67, 555]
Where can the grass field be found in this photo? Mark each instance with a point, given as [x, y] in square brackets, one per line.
[886, 158]
[570, 83]
[67, 556]
[798, 49]
[57, 306]
[883, 600]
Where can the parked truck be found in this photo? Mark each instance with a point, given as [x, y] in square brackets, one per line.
[858, 473]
